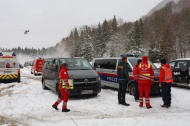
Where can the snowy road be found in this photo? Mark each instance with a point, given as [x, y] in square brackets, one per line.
[27, 104]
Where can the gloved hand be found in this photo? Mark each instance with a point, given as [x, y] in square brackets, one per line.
[160, 84]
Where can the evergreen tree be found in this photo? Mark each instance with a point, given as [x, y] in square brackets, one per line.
[136, 36]
[87, 48]
[155, 55]
[105, 32]
[114, 24]
[100, 45]
[76, 41]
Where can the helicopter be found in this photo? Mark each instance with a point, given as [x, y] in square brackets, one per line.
[26, 32]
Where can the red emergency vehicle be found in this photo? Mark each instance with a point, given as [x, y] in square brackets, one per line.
[36, 68]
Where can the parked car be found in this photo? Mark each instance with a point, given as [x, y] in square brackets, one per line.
[107, 69]
[20, 66]
[86, 80]
[28, 63]
[36, 68]
[181, 72]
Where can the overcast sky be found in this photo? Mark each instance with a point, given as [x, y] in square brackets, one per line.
[49, 21]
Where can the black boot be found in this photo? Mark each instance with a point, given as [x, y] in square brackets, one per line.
[125, 104]
[65, 110]
[149, 107]
[165, 106]
[55, 107]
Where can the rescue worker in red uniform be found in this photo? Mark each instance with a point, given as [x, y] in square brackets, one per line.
[136, 93]
[144, 74]
[64, 91]
[165, 80]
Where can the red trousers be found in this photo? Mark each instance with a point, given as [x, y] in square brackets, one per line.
[64, 97]
[144, 90]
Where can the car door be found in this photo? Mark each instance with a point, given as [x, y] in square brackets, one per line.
[106, 68]
[46, 72]
[54, 73]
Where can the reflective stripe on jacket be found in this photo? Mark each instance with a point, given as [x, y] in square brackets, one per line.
[144, 73]
[67, 83]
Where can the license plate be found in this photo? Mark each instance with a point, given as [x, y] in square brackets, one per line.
[87, 92]
[7, 71]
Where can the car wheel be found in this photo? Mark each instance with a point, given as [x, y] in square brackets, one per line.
[132, 89]
[35, 73]
[18, 80]
[44, 85]
[103, 87]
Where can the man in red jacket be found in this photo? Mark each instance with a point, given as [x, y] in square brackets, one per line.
[136, 93]
[63, 87]
[165, 80]
[144, 74]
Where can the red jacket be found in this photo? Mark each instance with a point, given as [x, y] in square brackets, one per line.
[144, 72]
[63, 75]
[163, 75]
[134, 71]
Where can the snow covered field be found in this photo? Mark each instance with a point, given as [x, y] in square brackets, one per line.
[27, 104]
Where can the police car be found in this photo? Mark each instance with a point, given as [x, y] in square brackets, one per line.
[181, 72]
[9, 68]
[107, 69]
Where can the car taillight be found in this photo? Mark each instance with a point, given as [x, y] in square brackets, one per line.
[19, 71]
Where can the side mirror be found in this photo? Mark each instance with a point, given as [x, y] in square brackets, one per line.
[94, 68]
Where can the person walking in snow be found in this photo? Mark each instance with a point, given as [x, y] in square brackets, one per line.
[145, 75]
[136, 93]
[63, 87]
[165, 80]
[122, 72]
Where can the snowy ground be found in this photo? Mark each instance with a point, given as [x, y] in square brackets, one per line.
[27, 104]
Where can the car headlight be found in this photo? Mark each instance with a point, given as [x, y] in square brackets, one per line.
[98, 78]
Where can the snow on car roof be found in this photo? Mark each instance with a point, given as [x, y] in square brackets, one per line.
[183, 59]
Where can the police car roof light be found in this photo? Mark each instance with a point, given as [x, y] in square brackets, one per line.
[14, 54]
[132, 55]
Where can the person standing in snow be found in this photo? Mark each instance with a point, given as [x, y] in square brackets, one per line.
[63, 87]
[165, 80]
[145, 75]
[122, 72]
[136, 93]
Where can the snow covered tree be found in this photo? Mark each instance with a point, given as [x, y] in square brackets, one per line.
[100, 44]
[114, 24]
[105, 32]
[155, 55]
[87, 47]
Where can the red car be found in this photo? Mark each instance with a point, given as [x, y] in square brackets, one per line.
[36, 68]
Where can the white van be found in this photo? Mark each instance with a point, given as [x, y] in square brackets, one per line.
[9, 68]
[107, 69]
